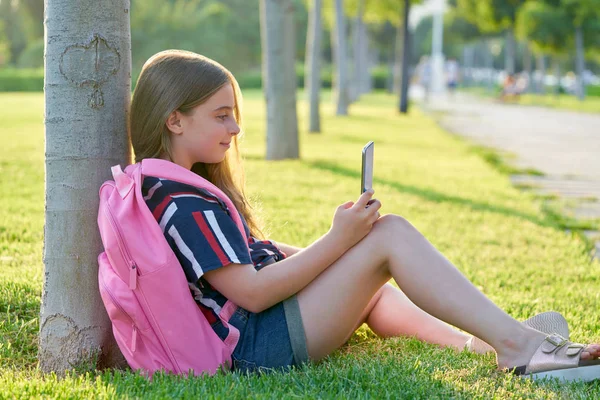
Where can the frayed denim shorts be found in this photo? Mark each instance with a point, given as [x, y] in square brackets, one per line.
[273, 339]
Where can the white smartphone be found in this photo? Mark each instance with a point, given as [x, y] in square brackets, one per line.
[366, 180]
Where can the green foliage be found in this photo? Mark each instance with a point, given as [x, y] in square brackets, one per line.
[33, 55]
[550, 25]
[547, 28]
[490, 15]
[21, 80]
[593, 90]
[227, 31]
[32, 80]
[13, 26]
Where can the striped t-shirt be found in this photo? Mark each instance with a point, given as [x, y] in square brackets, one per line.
[204, 237]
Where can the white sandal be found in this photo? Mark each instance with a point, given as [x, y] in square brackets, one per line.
[548, 322]
[559, 358]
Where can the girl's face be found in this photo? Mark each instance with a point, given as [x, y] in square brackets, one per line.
[205, 133]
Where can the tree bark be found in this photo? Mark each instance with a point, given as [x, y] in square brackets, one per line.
[341, 92]
[398, 46]
[361, 81]
[489, 65]
[541, 66]
[509, 51]
[527, 66]
[87, 85]
[557, 76]
[405, 59]
[279, 78]
[579, 63]
[312, 79]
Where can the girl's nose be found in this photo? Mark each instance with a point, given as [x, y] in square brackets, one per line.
[234, 129]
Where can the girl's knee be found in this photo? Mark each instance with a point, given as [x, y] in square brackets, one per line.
[392, 223]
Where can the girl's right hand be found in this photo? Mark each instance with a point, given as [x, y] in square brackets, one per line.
[353, 221]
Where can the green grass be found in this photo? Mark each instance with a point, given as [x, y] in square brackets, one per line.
[591, 104]
[500, 237]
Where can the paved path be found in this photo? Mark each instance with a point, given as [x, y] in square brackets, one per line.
[564, 145]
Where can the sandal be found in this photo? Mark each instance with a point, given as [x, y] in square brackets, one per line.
[548, 322]
[557, 357]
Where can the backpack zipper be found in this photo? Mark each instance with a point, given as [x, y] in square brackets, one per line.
[133, 270]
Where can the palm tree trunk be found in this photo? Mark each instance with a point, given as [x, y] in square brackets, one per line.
[541, 66]
[341, 92]
[87, 85]
[405, 59]
[312, 80]
[557, 74]
[398, 46]
[579, 63]
[279, 78]
[509, 51]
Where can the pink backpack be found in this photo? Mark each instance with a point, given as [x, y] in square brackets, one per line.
[156, 322]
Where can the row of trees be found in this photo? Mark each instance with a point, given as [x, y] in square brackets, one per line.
[546, 27]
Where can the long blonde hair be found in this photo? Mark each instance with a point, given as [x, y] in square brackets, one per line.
[181, 80]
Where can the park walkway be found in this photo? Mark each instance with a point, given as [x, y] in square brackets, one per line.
[563, 145]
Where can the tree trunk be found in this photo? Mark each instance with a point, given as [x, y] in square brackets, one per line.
[391, 61]
[356, 56]
[364, 75]
[541, 66]
[557, 76]
[509, 51]
[579, 63]
[312, 78]
[489, 65]
[341, 92]
[405, 59]
[399, 43]
[361, 79]
[527, 66]
[279, 78]
[87, 87]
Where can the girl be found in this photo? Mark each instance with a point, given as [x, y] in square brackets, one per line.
[297, 305]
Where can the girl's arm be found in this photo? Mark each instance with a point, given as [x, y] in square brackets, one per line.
[258, 290]
[287, 249]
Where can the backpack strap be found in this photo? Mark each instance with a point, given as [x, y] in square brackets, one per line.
[123, 182]
[171, 171]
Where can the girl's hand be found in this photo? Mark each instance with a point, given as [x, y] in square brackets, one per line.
[353, 221]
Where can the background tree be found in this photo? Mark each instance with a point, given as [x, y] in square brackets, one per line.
[312, 70]
[279, 78]
[583, 15]
[397, 13]
[548, 30]
[493, 16]
[557, 26]
[341, 91]
[87, 94]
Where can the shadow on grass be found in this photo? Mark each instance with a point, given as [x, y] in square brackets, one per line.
[432, 195]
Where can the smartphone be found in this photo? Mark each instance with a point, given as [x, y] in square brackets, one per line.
[366, 180]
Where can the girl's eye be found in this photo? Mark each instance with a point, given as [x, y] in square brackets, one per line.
[222, 117]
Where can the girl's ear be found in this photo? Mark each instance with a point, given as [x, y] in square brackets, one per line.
[174, 123]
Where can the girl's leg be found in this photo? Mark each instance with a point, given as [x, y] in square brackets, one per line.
[332, 305]
[390, 314]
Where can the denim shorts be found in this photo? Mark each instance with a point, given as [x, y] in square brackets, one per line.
[273, 339]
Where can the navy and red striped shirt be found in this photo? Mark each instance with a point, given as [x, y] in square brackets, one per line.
[204, 237]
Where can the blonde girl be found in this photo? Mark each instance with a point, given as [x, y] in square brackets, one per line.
[299, 305]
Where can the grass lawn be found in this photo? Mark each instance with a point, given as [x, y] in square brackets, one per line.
[498, 236]
[591, 104]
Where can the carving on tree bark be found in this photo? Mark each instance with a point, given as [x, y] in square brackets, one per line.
[72, 341]
[90, 64]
